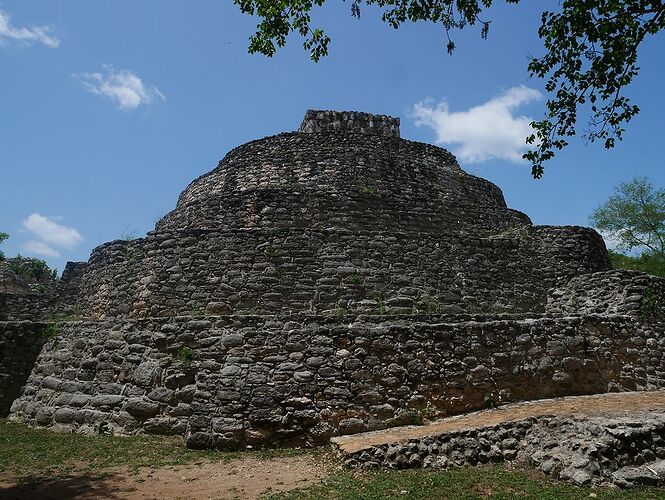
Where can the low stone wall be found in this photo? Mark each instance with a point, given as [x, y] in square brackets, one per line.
[611, 292]
[20, 343]
[582, 450]
[234, 381]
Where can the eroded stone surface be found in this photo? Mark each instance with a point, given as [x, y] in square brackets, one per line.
[349, 121]
[602, 441]
[327, 282]
[611, 292]
[262, 381]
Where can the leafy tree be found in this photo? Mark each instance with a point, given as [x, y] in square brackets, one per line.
[635, 217]
[3, 237]
[590, 54]
[646, 262]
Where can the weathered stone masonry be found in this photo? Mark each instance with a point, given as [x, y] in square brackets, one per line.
[20, 344]
[56, 300]
[268, 271]
[594, 450]
[325, 282]
[263, 381]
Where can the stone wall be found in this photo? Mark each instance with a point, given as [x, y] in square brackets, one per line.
[588, 451]
[611, 292]
[30, 307]
[68, 289]
[308, 286]
[12, 283]
[59, 300]
[347, 181]
[19, 346]
[334, 272]
[349, 121]
[234, 381]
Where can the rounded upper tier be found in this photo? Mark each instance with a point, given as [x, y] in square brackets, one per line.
[343, 216]
[345, 170]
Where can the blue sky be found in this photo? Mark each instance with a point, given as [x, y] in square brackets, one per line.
[108, 109]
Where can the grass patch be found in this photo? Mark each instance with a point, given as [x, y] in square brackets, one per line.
[40, 456]
[27, 453]
[184, 356]
[498, 481]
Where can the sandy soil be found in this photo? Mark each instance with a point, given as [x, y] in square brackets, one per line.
[238, 479]
[612, 403]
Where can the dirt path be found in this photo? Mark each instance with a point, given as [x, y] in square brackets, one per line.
[241, 479]
[612, 403]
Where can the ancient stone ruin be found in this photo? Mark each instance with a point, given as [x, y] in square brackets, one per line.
[325, 282]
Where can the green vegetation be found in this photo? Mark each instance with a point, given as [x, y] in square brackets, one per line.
[129, 236]
[380, 299]
[197, 310]
[30, 268]
[497, 481]
[341, 309]
[37, 455]
[634, 216]
[63, 317]
[26, 452]
[270, 252]
[130, 251]
[428, 304]
[590, 53]
[184, 356]
[356, 279]
[50, 332]
[367, 189]
[652, 307]
[420, 415]
[130, 233]
[646, 262]
[3, 237]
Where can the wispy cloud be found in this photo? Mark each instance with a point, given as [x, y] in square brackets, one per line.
[41, 249]
[52, 233]
[484, 132]
[123, 87]
[28, 36]
[612, 241]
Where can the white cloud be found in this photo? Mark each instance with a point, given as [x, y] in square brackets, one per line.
[484, 132]
[124, 88]
[40, 34]
[612, 241]
[52, 233]
[40, 248]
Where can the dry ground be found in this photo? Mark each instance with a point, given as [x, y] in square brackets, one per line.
[38, 464]
[244, 478]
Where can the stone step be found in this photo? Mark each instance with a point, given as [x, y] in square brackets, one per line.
[587, 440]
